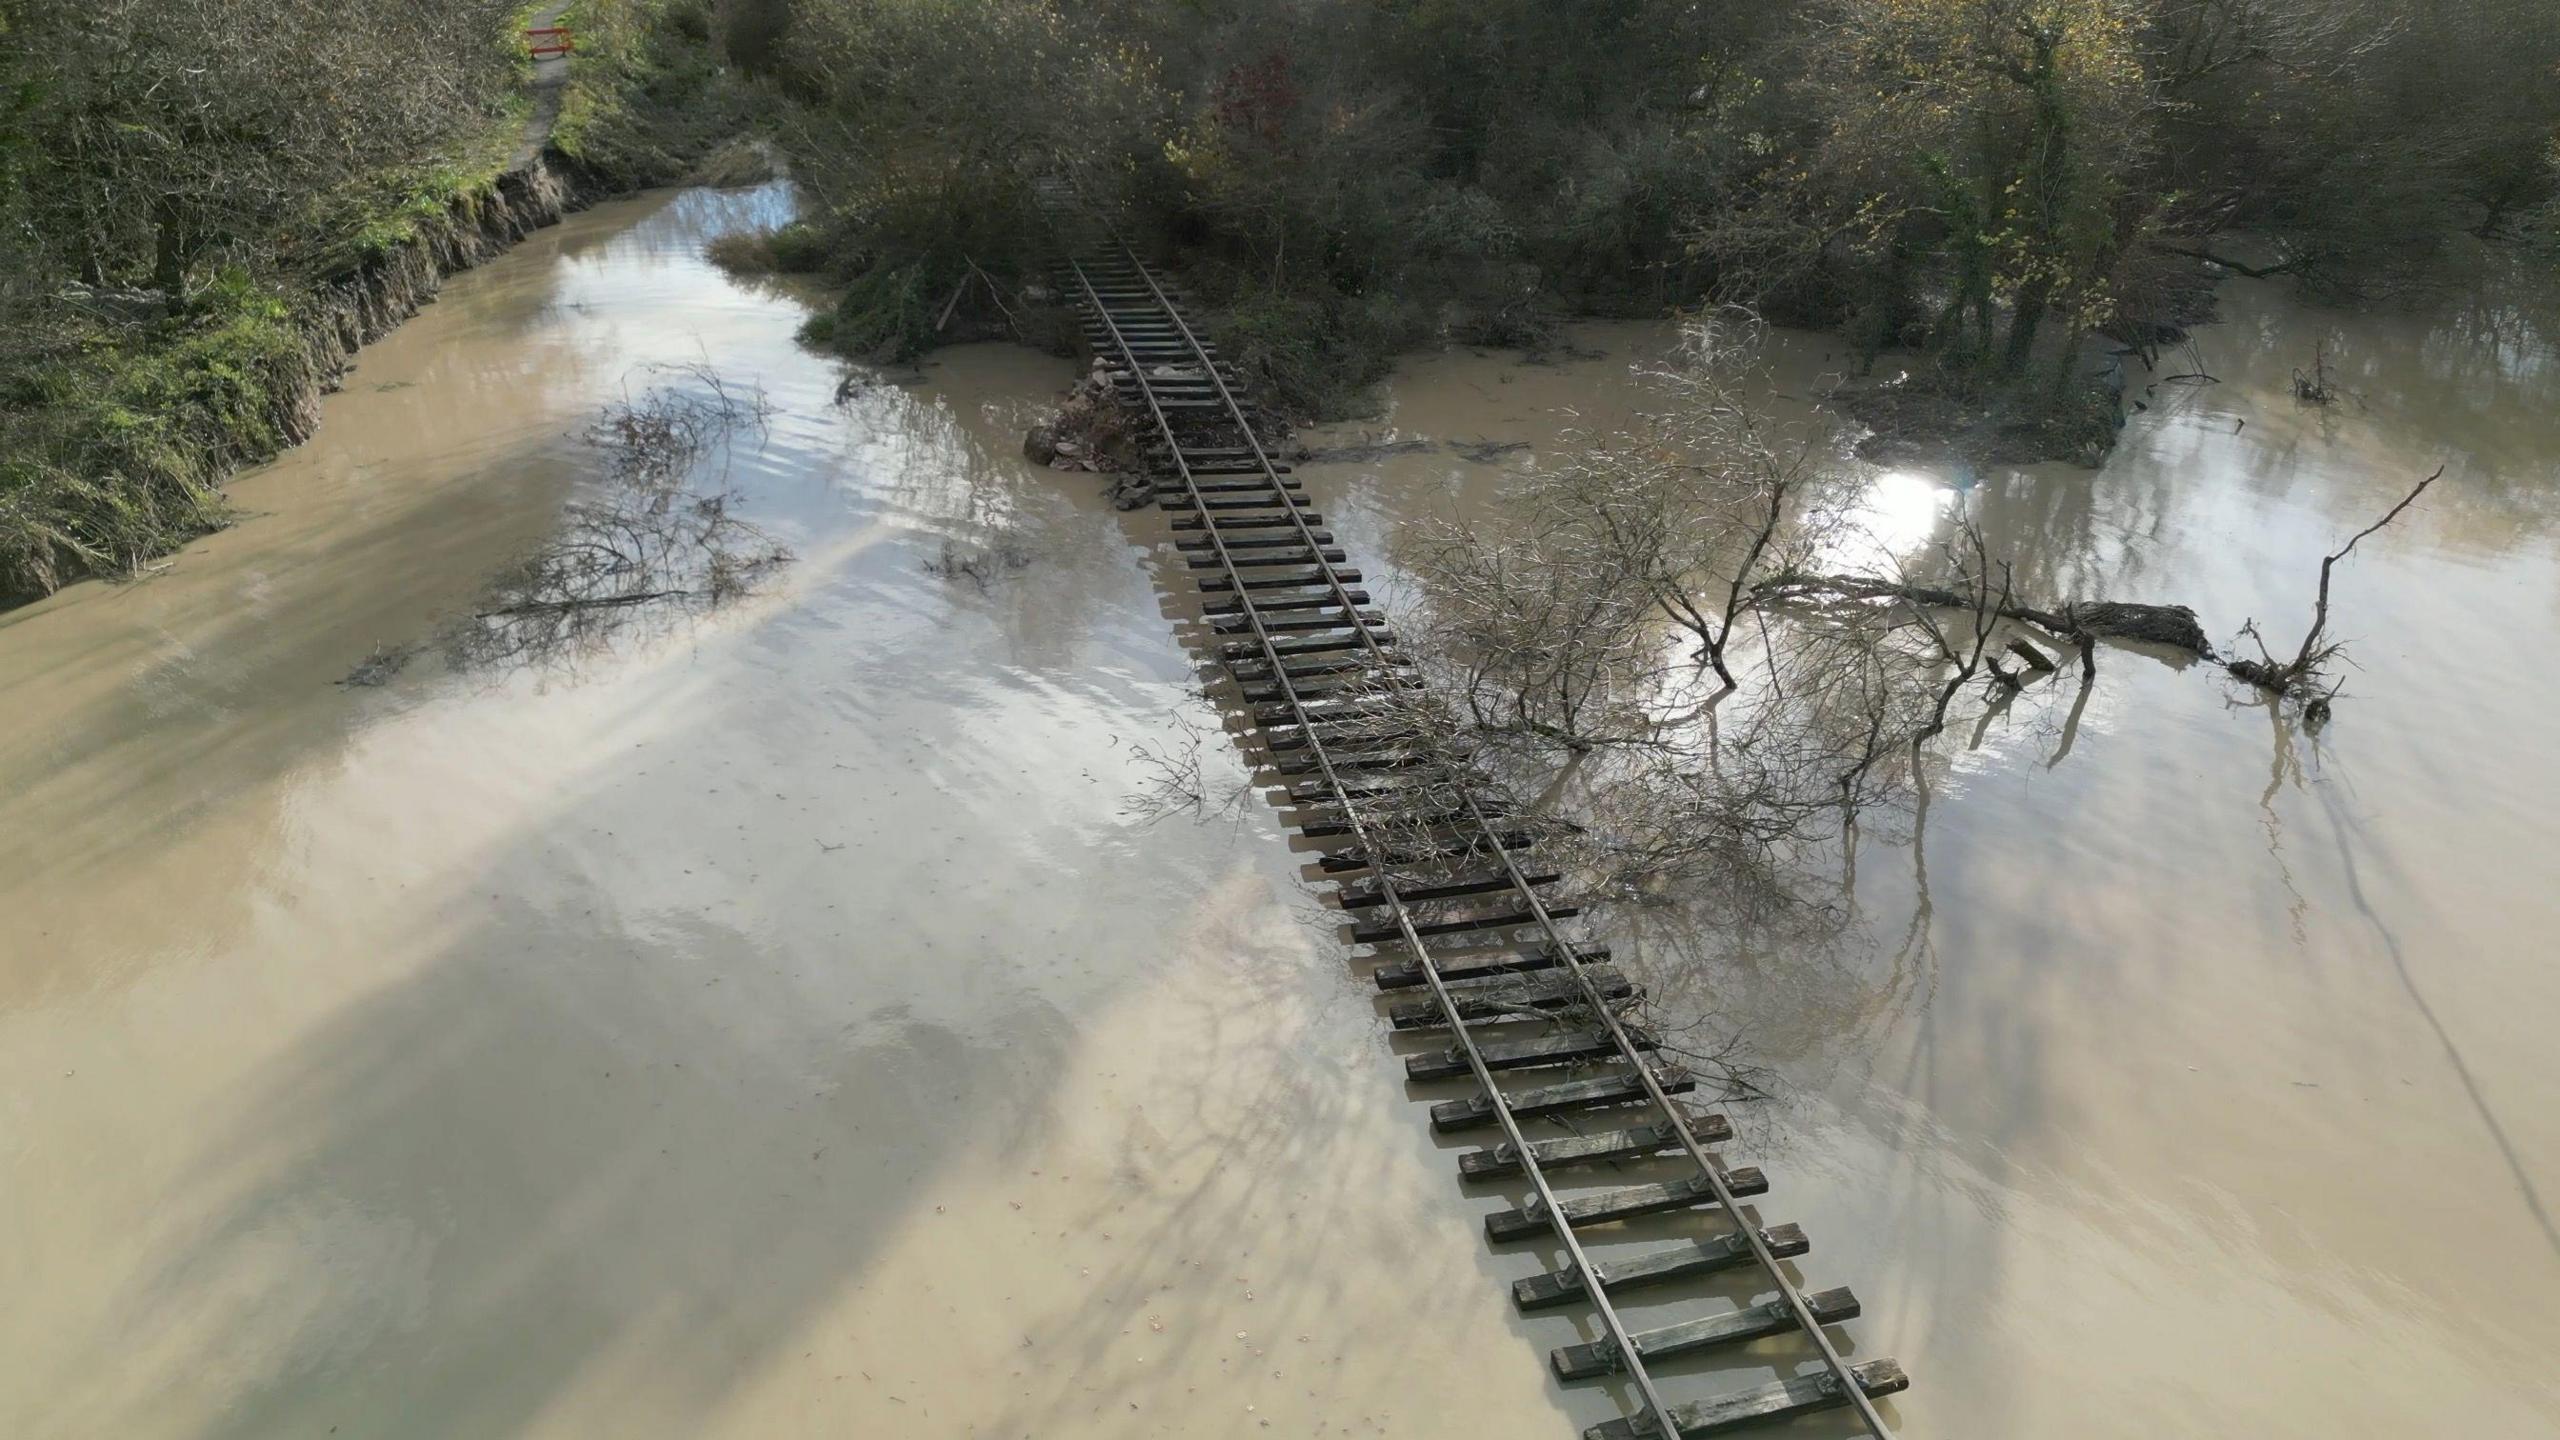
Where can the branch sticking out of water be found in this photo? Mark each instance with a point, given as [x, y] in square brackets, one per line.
[651, 539]
[2305, 671]
[1176, 781]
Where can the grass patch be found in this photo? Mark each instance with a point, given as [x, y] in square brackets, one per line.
[798, 248]
[111, 451]
[649, 96]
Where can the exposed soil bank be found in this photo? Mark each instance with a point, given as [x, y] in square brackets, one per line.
[348, 314]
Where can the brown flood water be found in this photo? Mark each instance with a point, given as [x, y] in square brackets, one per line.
[780, 1024]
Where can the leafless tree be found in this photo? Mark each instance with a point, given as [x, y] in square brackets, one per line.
[168, 132]
[1559, 625]
[2306, 671]
[656, 537]
[1655, 659]
[1627, 660]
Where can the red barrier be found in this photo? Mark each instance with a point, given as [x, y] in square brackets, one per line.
[550, 40]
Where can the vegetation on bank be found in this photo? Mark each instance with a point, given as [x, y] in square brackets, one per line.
[179, 187]
[656, 100]
[1983, 189]
[1980, 186]
[164, 177]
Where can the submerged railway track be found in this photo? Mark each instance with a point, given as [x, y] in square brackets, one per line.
[1460, 909]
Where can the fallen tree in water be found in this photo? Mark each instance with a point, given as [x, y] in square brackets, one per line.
[2078, 623]
[2304, 670]
[658, 535]
[1663, 643]
[2082, 623]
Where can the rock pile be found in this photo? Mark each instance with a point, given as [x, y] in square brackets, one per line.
[1092, 431]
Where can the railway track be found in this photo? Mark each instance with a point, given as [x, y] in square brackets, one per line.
[1465, 917]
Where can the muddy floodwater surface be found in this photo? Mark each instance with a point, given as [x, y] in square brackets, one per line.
[781, 1019]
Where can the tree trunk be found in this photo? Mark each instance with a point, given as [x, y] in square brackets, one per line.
[1886, 304]
[2048, 187]
[169, 253]
[2033, 301]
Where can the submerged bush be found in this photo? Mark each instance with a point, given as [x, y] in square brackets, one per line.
[798, 248]
[891, 312]
[1312, 353]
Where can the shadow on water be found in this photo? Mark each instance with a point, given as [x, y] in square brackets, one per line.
[1263, 1148]
[641, 1149]
[174, 715]
[632, 554]
[535, 1157]
[554, 1151]
[2351, 871]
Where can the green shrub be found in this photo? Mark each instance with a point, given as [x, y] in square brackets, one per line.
[742, 252]
[650, 95]
[799, 248]
[889, 313]
[111, 452]
[1315, 353]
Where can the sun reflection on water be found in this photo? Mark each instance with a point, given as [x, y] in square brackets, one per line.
[1899, 512]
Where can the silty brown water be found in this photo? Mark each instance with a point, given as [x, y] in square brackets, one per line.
[779, 1022]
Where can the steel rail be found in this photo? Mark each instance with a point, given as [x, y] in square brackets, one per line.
[1619, 1334]
[1850, 1388]
[1843, 1377]
[1838, 1365]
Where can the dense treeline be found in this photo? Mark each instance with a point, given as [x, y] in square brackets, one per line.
[163, 164]
[180, 179]
[1984, 184]
[1988, 182]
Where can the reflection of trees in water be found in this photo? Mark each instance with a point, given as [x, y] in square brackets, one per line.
[1808, 978]
[2473, 376]
[2501, 329]
[647, 550]
[922, 457]
[943, 455]
[1714, 823]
